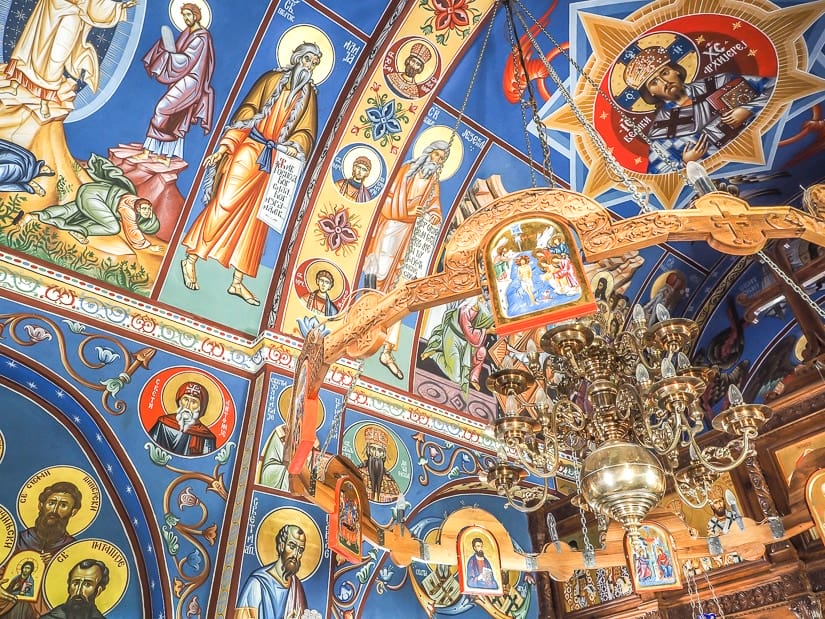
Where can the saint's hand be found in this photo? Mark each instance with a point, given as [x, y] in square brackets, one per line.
[129, 4]
[736, 117]
[215, 157]
[155, 248]
[6, 598]
[695, 152]
[291, 151]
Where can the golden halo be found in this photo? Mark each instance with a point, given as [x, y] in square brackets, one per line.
[2, 445]
[337, 286]
[8, 534]
[690, 62]
[440, 132]
[363, 151]
[304, 33]
[27, 501]
[606, 275]
[57, 574]
[660, 281]
[268, 531]
[285, 397]
[429, 67]
[177, 18]
[359, 444]
[471, 532]
[799, 348]
[216, 400]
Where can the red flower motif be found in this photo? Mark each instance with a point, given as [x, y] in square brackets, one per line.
[450, 14]
[337, 229]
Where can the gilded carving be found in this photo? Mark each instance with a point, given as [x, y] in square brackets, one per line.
[727, 223]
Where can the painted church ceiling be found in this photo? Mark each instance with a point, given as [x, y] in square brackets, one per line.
[197, 184]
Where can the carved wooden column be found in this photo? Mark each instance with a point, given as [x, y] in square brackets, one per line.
[760, 486]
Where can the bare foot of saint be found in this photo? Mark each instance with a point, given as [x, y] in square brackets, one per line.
[190, 277]
[239, 290]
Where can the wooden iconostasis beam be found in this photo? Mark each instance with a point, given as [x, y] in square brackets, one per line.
[727, 223]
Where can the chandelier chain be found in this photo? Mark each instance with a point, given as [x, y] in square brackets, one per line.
[474, 74]
[589, 551]
[613, 165]
[635, 131]
[515, 52]
[693, 591]
[793, 285]
[721, 614]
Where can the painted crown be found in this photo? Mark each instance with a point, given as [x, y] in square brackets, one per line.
[644, 64]
[375, 436]
[421, 51]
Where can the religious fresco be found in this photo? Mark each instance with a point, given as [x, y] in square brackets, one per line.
[60, 519]
[252, 176]
[382, 460]
[436, 587]
[287, 548]
[687, 82]
[125, 468]
[156, 216]
[652, 560]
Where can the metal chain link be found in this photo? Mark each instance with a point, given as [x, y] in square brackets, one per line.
[690, 584]
[408, 259]
[520, 67]
[794, 286]
[721, 614]
[635, 130]
[589, 551]
[612, 164]
[474, 74]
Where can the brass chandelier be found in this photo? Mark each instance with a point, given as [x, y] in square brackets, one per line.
[612, 398]
[622, 405]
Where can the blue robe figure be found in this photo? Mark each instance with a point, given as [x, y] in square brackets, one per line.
[19, 168]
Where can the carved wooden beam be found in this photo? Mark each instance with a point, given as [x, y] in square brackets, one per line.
[725, 222]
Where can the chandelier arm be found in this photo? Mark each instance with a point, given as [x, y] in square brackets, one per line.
[747, 436]
[637, 348]
[571, 414]
[524, 457]
[509, 495]
[671, 421]
[629, 388]
[546, 474]
[684, 498]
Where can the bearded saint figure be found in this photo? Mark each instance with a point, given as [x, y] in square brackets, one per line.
[380, 485]
[274, 591]
[278, 114]
[182, 432]
[413, 194]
